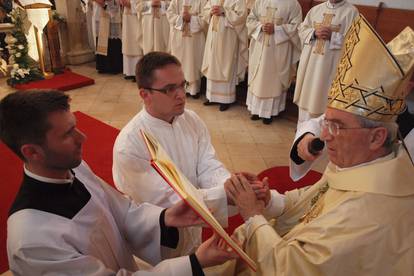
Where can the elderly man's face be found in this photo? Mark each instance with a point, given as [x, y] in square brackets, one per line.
[351, 146]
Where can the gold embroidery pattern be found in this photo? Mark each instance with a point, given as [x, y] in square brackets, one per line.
[348, 94]
[317, 204]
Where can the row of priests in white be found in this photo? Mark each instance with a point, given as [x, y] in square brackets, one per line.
[155, 27]
[225, 56]
[320, 54]
[131, 37]
[187, 38]
[272, 54]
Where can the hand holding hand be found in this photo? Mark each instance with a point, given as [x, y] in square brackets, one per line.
[214, 251]
[181, 215]
[262, 191]
[242, 194]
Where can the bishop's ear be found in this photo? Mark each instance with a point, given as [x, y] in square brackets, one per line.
[377, 137]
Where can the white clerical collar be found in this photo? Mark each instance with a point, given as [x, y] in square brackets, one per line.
[334, 5]
[156, 120]
[49, 180]
[384, 158]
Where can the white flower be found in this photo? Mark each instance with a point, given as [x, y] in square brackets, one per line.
[20, 72]
[18, 54]
[10, 40]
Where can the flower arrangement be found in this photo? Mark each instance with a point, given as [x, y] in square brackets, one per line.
[24, 68]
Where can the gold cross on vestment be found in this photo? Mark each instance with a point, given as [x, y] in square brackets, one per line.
[326, 22]
[269, 18]
[186, 26]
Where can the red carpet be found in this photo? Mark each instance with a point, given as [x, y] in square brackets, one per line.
[66, 81]
[97, 152]
[280, 180]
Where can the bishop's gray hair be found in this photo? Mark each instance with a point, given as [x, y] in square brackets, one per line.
[392, 129]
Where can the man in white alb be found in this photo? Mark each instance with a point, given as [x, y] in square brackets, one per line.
[322, 34]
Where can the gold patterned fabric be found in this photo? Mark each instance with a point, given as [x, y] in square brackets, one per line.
[371, 78]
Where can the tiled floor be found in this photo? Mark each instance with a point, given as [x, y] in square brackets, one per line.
[241, 144]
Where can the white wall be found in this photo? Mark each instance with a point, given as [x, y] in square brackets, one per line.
[396, 4]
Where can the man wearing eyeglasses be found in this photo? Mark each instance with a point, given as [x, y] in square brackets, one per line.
[357, 219]
[301, 158]
[181, 133]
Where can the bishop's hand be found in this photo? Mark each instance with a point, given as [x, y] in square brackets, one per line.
[244, 197]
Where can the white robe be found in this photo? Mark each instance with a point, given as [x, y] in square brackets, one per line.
[316, 71]
[99, 240]
[188, 49]
[155, 31]
[131, 39]
[271, 61]
[296, 172]
[187, 142]
[225, 54]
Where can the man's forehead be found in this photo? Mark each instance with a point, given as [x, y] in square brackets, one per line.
[61, 119]
[333, 114]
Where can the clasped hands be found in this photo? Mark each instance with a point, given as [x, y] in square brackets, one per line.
[323, 33]
[217, 10]
[156, 4]
[248, 193]
[268, 28]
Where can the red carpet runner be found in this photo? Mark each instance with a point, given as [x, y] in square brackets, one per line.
[66, 81]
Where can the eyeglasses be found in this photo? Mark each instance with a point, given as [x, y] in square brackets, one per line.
[171, 90]
[334, 127]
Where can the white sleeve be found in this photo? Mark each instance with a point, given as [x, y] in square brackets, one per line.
[195, 24]
[275, 206]
[296, 172]
[134, 176]
[211, 175]
[58, 260]
[279, 35]
[336, 41]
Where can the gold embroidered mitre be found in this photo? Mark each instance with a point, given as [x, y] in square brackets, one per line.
[371, 78]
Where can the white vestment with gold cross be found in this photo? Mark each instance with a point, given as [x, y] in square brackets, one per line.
[317, 67]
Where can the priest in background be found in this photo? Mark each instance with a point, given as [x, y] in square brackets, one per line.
[357, 219]
[66, 221]
[274, 51]
[225, 56]
[322, 35]
[131, 38]
[154, 25]
[187, 39]
[107, 22]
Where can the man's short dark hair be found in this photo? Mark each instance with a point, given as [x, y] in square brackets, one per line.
[144, 71]
[24, 116]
